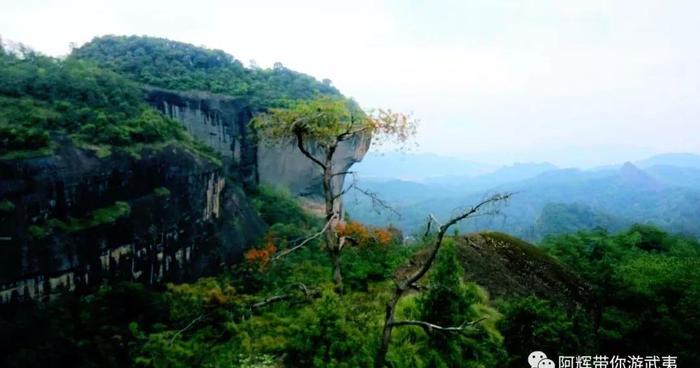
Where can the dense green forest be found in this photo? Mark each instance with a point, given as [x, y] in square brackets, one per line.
[175, 65]
[43, 100]
[94, 96]
[267, 312]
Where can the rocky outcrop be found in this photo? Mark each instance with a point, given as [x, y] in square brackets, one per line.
[219, 121]
[72, 219]
[508, 267]
[223, 123]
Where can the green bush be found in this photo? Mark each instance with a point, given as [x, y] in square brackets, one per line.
[530, 323]
[277, 206]
[324, 336]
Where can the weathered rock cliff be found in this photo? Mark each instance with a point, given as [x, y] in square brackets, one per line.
[72, 219]
[223, 123]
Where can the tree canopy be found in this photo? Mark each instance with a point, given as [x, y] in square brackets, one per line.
[176, 65]
[41, 96]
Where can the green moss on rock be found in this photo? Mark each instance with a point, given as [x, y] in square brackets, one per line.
[6, 206]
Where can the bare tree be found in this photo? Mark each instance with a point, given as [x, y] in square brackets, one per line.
[487, 206]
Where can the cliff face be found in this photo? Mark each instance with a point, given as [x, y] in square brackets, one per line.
[219, 121]
[72, 219]
[222, 122]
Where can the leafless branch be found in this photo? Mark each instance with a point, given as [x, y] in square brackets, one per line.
[349, 132]
[430, 327]
[428, 226]
[345, 239]
[300, 143]
[434, 219]
[189, 325]
[270, 300]
[306, 240]
[411, 281]
[377, 202]
[278, 298]
[443, 229]
[305, 289]
[344, 191]
[343, 173]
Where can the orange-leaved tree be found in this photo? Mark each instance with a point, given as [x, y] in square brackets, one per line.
[261, 257]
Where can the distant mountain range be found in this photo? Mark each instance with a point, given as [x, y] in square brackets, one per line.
[417, 166]
[662, 190]
[687, 160]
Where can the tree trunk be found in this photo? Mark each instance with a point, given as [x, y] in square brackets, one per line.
[332, 242]
[337, 274]
[380, 359]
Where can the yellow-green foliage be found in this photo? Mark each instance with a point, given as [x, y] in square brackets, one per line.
[449, 301]
[321, 120]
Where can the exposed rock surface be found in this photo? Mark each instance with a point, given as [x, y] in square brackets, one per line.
[223, 123]
[72, 219]
[507, 266]
[219, 121]
[175, 218]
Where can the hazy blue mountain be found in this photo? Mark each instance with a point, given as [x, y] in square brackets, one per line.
[689, 160]
[417, 166]
[676, 176]
[505, 174]
[397, 191]
[564, 218]
[520, 171]
[608, 198]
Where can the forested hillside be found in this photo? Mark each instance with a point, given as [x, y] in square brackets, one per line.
[42, 99]
[128, 242]
[180, 66]
[640, 296]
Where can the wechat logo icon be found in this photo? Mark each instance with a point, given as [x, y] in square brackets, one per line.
[538, 359]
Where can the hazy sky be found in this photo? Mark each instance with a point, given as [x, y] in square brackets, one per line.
[572, 82]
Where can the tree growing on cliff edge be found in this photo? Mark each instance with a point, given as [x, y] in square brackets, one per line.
[318, 127]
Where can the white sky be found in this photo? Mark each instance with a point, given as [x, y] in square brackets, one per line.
[571, 82]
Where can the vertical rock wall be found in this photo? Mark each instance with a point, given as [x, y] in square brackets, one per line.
[222, 122]
[71, 220]
[78, 219]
